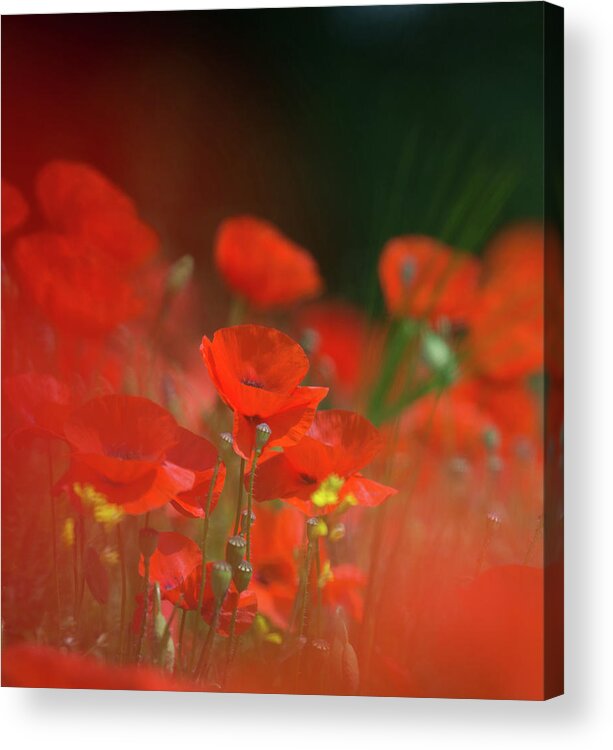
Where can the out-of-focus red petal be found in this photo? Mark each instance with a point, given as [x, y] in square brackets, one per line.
[123, 427]
[262, 265]
[45, 667]
[423, 278]
[247, 608]
[277, 478]
[175, 558]
[35, 400]
[79, 200]
[367, 492]
[76, 287]
[14, 208]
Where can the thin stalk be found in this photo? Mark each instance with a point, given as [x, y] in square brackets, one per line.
[166, 634]
[205, 530]
[202, 669]
[258, 453]
[231, 641]
[304, 607]
[317, 584]
[144, 623]
[54, 542]
[241, 489]
[124, 592]
[179, 662]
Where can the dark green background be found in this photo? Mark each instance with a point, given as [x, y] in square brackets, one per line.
[345, 126]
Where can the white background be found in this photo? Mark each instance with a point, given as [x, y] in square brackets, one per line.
[66, 719]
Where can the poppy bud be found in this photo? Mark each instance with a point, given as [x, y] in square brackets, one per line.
[235, 550]
[246, 523]
[262, 435]
[221, 577]
[319, 648]
[147, 542]
[439, 357]
[242, 575]
[180, 274]
[316, 527]
[491, 438]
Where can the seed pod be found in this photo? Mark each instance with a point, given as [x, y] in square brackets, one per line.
[221, 577]
[262, 435]
[242, 575]
[226, 441]
[235, 550]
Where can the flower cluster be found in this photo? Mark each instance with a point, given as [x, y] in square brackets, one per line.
[306, 500]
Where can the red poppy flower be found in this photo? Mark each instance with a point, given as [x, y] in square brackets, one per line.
[14, 208]
[451, 424]
[322, 470]
[77, 200]
[120, 446]
[512, 407]
[422, 278]
[171, 565]
[264, 266]
[76, 288]
[187, 594]
[200, 456]
[246, 604]
[35, 401]
[256, 371]
[506, 338]
[341, 337]
[45, 667]
[276, 539]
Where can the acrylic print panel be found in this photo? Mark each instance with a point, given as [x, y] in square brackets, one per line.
[282, 377]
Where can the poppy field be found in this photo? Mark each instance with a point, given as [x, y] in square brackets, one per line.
[282, 353]
[304, 500]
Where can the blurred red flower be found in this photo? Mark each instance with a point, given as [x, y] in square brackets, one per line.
[78, 200]
[422, 278]
[45, 667]
[256, 371]
[323, 469]
[14, 208]
[200, 456]
[76, 287]
[35, 401]
[276, 540]
[176, 557]
[120, 446]
[262, 265]
[339, 349]
[506, 337]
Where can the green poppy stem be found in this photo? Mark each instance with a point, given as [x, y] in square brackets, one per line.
[124, 587]
[144, 622]
[179, 662]
[241, 489]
